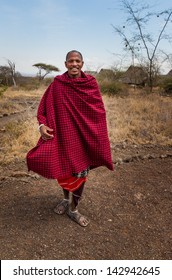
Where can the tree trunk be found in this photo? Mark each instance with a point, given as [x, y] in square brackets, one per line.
[14, 82]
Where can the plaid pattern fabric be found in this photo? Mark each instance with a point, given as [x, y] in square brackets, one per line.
[73, 108]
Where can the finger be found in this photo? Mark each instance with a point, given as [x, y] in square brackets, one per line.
[50, 129]
[49, 135]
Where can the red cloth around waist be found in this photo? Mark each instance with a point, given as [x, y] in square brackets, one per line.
[72, 183]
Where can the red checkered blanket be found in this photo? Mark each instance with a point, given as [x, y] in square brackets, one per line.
[73, 108]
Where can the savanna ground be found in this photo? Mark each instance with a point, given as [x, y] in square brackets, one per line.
[129, 209]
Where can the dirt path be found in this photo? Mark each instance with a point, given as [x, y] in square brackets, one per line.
[130, 210]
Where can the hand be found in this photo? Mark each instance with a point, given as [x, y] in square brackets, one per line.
[45, 132]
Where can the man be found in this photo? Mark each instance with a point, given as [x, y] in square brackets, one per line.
[74, 139]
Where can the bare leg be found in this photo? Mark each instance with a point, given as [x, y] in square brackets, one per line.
[76, 196]
[66, 194]
[73, 212]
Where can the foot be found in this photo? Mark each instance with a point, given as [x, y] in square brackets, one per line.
[62, 207]
[78, 218]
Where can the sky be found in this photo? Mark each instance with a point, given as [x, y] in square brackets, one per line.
[33, 31]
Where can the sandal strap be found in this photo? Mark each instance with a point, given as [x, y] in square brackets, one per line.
[64, 203]
[76, 216]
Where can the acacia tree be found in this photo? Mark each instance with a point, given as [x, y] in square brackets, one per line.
[137, 40]
[45, 67]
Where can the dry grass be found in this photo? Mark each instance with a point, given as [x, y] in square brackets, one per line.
[14, 100]
[18, 139]
[18, 135]
[139, 119]
[136, 118]
[12, 93]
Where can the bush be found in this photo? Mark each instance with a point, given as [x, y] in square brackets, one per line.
[166, 87]
[47, 81]
[32, 83]
[28, 83]
[111, 88]
[2, 89]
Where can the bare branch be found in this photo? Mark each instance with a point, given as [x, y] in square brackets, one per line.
[138, 17]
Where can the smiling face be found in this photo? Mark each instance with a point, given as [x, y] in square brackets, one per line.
[74, 64]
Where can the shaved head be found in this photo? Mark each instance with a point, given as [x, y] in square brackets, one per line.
[73, 51]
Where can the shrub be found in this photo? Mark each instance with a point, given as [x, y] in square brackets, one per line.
[2, 89]
[112, 88]
[47, 81]
[32, 83]
[166, 87]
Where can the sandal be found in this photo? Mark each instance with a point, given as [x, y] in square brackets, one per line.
[62, 207]
[78, 218]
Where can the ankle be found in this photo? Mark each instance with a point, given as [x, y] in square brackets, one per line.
[72, 208]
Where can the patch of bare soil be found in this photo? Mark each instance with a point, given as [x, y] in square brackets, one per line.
[129, 209]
